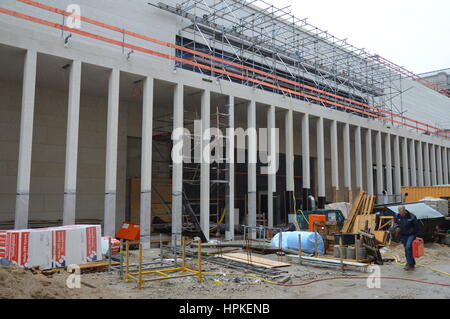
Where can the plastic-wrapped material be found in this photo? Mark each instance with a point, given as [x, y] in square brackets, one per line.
[289, 240]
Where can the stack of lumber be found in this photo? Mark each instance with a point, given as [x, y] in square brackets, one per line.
[362, 218]
[361, 212]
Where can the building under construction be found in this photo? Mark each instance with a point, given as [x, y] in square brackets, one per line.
[92, 94]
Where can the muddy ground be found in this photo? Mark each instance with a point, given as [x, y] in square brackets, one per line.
[18, 283]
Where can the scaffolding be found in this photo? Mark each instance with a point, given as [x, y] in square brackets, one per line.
[258, 36]
[219, 179]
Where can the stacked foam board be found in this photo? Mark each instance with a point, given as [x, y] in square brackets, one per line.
[2, 243]
[53, 247]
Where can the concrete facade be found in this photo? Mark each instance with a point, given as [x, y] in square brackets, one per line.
[123, 95]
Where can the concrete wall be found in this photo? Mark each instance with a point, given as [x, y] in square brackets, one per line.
[48, 155]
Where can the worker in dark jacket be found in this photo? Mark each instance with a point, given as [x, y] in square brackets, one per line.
[408, 228]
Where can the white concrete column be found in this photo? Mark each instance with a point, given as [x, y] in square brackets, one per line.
[388, 160]
[405, 162]
[112, 129]
[26, 140]
[398, 175]
[426, 155]
[146, 161]
[445, 163]
[420, 177]
[334, 161]
[305, 159]
[320, 163]
[440, 177]
[412, 157]
[271, 176]
[358, 159]
[289, 140]
[433, 165]
[229, 233]
[379, 160]
[177, 163]
[204, 166]
[252, 158]
[347, 165]
[73, 119]
[369, 162]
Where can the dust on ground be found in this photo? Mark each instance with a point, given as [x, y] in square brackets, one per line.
[19, 283]
[434, 253]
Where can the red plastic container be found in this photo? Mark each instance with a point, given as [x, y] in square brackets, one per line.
[128, 231]
[418, 247]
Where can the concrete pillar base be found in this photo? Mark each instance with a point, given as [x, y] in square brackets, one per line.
[251, 215]
[70, 201]
[348, 196]
[289, 202]
[335, 194]
[321, 202]
[22, 204]
[145, 215]
[305, 202]
[109, 223]
[177, 218]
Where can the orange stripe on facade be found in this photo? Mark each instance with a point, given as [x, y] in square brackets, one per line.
[220, 71]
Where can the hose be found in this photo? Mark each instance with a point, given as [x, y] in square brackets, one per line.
[324, 279]
[420, 265]
[224, 212]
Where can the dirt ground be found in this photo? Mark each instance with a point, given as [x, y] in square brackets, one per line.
[19, 283]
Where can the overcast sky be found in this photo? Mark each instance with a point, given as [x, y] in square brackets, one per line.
[412, 33]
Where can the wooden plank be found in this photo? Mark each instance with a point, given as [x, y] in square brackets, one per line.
[360, 222]
[353, 212]
[257, 261]
[380, 236]
[390, 221]
[96, 266]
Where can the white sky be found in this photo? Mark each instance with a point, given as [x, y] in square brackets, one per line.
[412, 33]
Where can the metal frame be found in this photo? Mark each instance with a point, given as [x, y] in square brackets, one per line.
[256, 34]
[162, 273]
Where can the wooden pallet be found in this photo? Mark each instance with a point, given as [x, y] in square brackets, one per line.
[369, 242]
[254, 260]
[361, 213]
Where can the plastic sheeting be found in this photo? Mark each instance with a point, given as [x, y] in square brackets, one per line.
[421, 210]
[289, 240]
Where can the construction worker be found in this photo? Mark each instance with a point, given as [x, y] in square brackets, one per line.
[408, 228]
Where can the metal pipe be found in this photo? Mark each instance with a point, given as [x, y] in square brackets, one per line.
[140, 267]
[121, 260]
[199, 260]
[109, 254]
[357, 247]
[315, 240]
[127, 261]
[300, 249]
[183, 245]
